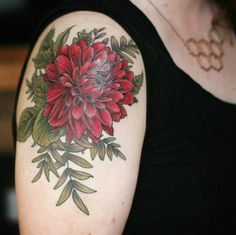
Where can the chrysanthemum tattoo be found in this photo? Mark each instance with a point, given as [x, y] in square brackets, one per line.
[79, 89]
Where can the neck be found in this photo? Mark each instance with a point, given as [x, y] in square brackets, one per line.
[183, 10]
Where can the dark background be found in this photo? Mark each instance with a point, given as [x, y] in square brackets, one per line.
[18, 21]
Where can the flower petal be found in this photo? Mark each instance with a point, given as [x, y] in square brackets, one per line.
[79, 128]
[119, 74]
[125, 85]
[54, 92]
[116, 117]
[104, 117]
[63, 64]
[129, 75]
[63, 50]
[128, 98]
[113, 107]
[102, 55]
[77, 111]
[116, 95]
[90, 110]
[108, 130]
[88, 55]
[75, 54]
[51, 71]
[98, 46]
[95, 126]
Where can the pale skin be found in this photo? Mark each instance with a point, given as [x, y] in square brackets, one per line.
[114, 181]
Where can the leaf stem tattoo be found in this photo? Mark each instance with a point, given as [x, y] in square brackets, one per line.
[78, 91]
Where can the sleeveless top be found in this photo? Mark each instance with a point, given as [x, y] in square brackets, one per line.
[187, 177]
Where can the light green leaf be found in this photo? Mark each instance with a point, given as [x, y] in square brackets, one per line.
[65, 193]
[40, 157]
[93, 152]
[75, 148]
[82, 188]
[79, 161]
[37, 177]
[62, 179]
[79, 203]
[80, 175]
[109, 151]
[56, 155]
[42, 133]
[26, 124]
[101, 150]
[46, 170]
[52, 167]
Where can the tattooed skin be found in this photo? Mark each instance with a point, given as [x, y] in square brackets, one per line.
[79, 90]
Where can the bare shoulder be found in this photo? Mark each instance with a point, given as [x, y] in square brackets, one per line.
[81, 123]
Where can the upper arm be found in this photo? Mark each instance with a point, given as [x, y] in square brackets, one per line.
[81, 117]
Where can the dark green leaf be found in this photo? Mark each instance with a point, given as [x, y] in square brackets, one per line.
[109, 151]
[101, 150]
[129, 52]
[118, 153]
[105, 40]
[46, 51]
[137, 82]
[108, 140]
[125, 57]
[75, 148]
[40, 88]
[114, 44]
[115, 145]
[65, 193]
[52, 167]
[62, 179]
[79, 161]
[101, 29]
[42, 133]
[56, 155]
[37, 177]
[80, 175]
[123, 42]
[82, 188]
[95, 31]
[101, 35]
[79, 203]
[62, 38]
[40, 157]
[47, 41]
[93, 152]
[26, 124]
[43, 57]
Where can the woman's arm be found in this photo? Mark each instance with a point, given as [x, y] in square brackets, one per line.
[81, 122]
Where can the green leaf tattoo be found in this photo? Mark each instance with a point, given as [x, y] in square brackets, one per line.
[79, 90]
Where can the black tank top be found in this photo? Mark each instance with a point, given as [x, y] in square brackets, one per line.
[187, 177]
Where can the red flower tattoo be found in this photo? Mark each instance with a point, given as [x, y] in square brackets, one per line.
[88, 87]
